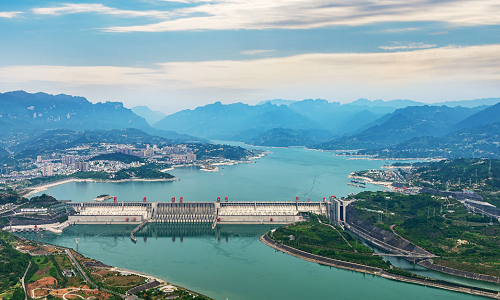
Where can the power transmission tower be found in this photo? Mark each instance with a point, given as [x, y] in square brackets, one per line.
[77, 240]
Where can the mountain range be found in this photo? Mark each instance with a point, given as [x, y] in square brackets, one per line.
[235, 121]
[30, 122]
[24, 115]
[404, 124]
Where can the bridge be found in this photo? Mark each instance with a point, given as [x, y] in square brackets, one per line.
[407, 255]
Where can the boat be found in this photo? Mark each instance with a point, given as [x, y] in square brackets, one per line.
[358, 182]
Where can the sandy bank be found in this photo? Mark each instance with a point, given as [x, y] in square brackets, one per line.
[385, 184]
[41, 188]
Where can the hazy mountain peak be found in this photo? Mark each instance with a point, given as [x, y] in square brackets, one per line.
[151, 116]
[277, 102]
[398, 103]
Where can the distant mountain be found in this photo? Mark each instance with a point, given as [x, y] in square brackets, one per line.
[357, 121]
[381, 103]
[334, 117]
[479, 142]
[44, 111]
[405, 103]
[486, 116]
[227, 122]
[402, 125]
[151, 116]
[24, 116]
[282, 137]
[277, 102]
[470, 103]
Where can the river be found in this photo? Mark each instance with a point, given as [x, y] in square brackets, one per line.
[231, 262]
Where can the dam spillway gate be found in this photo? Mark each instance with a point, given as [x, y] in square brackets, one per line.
[241, 212]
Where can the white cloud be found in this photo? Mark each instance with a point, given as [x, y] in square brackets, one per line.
[10, 14]
[426, 75]
[297, 14]
[253, 52]
[397, 30]
[306, 14]
[98, 8]
[407, 46]
[439, 32]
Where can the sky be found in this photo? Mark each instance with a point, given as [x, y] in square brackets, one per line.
[173, 55]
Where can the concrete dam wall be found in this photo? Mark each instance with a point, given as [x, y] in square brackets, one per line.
[191, 212]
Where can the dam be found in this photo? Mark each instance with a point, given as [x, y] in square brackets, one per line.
[241, 212]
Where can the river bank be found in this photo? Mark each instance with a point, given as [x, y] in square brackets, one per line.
[40, 188]
[96, 264]
[386, 184]
[265, 239]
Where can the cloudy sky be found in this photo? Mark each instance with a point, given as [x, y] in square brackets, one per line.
[172, 55]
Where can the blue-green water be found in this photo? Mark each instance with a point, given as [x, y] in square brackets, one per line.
[231, 262]
[280, 176]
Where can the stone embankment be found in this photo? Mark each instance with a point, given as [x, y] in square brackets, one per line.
[384, 239]
[371, 270]
[318, 259]
[429, 265]
[395, 244]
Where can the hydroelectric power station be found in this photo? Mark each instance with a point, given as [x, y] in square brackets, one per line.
[217, 212]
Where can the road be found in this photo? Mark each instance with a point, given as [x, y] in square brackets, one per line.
[22, 281]
[87, 279]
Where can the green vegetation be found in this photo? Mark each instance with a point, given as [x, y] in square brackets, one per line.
[9, 195]
[43, 200]
[124, 158]
[439, 225]
[206, 151]
[13, 264]
[149, 171]
[479, 141]
[481, 176]
[323, 240]
[285, 137]
[462, 174]
[44, 180]
[113, 280]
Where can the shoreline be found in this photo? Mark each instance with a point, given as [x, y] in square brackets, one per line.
[386, 184]
[371, 270]
[44, 187]
[120, 269]
[40, 188]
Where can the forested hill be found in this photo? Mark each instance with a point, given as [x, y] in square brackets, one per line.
[402, 125]
[479, 141]
[284, 137]
[63, 139]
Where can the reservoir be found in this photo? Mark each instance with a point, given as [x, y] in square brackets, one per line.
[230, 262]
